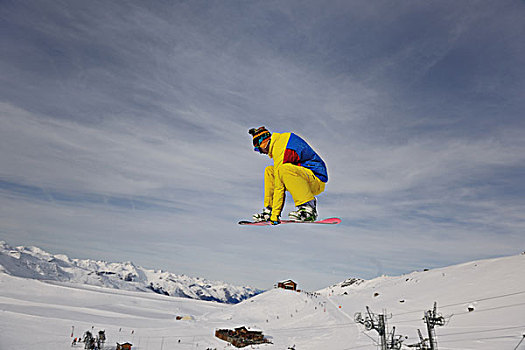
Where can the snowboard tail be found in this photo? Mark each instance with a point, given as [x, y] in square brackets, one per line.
[329, 221]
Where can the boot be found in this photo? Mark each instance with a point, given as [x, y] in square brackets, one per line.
[305, 212]
[264, 216]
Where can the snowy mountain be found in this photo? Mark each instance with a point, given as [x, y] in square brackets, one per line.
[33, 262]
[481, 305]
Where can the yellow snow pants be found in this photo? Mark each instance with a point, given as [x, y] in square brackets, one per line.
[301, 182]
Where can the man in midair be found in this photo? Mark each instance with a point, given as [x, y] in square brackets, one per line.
[296, 168]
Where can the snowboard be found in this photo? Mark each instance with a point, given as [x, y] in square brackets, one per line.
[329, 221]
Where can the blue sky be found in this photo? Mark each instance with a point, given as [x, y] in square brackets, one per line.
[123, 132]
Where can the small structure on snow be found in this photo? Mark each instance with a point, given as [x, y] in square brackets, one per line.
[241, 336]
[125, 346]
[288, 284]
[184, 318]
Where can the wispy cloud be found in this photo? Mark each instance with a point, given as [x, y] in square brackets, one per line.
[127, 124]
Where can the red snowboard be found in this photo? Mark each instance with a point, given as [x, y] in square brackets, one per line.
[329, 221]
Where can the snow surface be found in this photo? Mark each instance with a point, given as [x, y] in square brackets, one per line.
[41, 314]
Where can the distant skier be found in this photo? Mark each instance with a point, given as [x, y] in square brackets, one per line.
[297, 168]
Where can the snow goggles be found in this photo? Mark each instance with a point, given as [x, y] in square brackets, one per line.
[258, 141]
[259, 135]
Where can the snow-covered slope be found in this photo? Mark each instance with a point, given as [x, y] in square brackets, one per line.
[482, 303]
[33, 262]
[493, 289]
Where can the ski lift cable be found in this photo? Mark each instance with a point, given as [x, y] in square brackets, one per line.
[468, 301]
[481, 331]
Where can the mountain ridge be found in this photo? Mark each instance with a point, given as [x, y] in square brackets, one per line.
[33, 262]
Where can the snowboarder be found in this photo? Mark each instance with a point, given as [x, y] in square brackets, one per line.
[296, 168]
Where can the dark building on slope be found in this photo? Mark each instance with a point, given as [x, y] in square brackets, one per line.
[288, 284]
[241, 336]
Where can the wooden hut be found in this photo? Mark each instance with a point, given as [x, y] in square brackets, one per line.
[241, 336]
[288, 284]
[250, 334]
[125, 346]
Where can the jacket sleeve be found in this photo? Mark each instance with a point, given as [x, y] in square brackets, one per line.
[279, 189]
[278, 196]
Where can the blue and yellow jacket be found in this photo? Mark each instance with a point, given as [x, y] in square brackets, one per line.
[290, 148]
